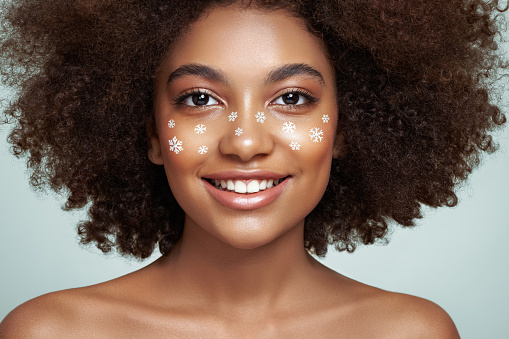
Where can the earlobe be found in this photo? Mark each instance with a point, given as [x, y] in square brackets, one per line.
[339, 146]
[154, 151]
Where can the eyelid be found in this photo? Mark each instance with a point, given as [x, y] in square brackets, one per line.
[179, 100]
[300, 91]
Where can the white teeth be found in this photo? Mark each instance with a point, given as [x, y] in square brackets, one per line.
[240, 186]
[253, 186]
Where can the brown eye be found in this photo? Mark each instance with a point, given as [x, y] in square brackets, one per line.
[199, 99]
[290, 98]
[293, 99]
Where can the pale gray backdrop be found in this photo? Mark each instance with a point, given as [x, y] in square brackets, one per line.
[456, 257]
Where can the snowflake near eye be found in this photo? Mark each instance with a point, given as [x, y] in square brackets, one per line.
[295, 145]
[289, 127]
[325, 118]
[238, 131]
[175, 145]
[171, 123]
[316, 134]
[232, 116]
[203, 149]
[200, 129]
[260, 117]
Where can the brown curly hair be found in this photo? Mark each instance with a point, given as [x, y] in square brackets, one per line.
[414, 84]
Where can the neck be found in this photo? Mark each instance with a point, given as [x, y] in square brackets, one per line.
[224, 275]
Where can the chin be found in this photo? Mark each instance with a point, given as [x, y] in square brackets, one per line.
[256, 234]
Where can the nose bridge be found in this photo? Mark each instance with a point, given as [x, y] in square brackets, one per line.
[247, 134]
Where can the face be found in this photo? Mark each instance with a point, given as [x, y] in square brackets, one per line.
[246, 118]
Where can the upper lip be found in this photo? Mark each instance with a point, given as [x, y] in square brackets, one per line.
[245, 175]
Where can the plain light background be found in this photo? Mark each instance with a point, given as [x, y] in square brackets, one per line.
[457, 257]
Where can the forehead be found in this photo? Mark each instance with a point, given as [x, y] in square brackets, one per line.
[247, 41]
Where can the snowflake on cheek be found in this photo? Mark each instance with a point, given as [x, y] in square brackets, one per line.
[325, 118]
[295, 145]
[200, 129]
[238, 131]
[203, 149]
[289, 127]
[171, 123]
[260, 117]
[232, 116]
[316, 134]
[175, 145]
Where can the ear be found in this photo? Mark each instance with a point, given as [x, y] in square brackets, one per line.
[339, 146]
[154, 150]
[154, 144]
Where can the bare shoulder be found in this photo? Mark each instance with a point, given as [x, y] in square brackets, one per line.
[397, 315]
[358, 310]
[416, 317]
[47, 316]
[101, 310]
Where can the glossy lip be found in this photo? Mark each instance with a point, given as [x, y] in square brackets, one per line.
[248, 201]
[238, 175]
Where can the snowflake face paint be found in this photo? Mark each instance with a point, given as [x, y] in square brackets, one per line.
[232, 116]
[288, 127]
[175, 145]
[295, 145]
[203, 149]
[200, 129]
[248, 152]
[316, 134]
[260, 117]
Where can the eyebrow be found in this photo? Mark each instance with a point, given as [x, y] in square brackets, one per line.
[289, 70]
[276, 75]
[198, 70]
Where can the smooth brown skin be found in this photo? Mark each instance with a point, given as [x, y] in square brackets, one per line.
[232, 276]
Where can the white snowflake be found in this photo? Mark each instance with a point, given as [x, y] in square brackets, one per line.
[232, 116]
[289, 127]
[175, 145]
[295, 145]
[260, 117]
[203, 149]
[171, 123]
[325, 118]
[316, 134]
[200, 129]
[238, 131]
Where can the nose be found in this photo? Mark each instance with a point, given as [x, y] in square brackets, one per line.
[246, 138]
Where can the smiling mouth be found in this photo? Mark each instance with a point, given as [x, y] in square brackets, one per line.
[245, 186]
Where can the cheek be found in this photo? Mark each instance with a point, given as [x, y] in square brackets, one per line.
[308, 135]
[186, 143]
[311, 147]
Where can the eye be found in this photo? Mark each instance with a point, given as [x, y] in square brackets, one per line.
[199, 99]
[294, 98]
[196, 98]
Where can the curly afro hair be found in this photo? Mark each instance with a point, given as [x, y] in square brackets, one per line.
[415, 84]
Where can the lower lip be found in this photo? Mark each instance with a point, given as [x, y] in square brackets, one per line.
[248, 201]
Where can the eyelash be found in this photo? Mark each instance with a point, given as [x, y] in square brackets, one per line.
[311, 99]
[193, 91]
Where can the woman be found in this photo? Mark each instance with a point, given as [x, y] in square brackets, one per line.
[240, 137]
